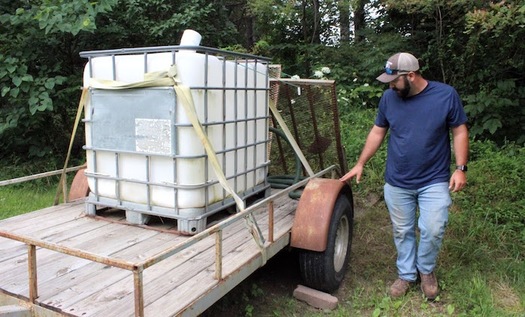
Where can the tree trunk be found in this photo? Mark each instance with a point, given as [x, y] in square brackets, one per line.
[311, 22]
[249, 35]
[344, 20]
[316, 38]
[359, 20]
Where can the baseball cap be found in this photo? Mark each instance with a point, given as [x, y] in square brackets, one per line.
[398, 64]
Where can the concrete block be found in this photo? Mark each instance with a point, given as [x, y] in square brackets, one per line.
[315, 298]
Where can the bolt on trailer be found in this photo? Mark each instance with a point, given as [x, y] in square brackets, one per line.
[200, 167]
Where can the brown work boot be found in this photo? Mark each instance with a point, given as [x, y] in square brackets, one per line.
[399, 288]
[429, 285]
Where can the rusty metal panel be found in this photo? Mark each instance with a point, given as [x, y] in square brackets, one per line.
[313, 214]
[310, 109]
[79, 187]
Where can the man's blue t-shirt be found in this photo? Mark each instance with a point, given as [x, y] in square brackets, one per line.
[419, 142]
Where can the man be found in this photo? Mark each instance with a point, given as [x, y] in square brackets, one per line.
[418, 113]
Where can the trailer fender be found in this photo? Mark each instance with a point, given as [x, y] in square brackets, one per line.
[314, 212]
[79, 187]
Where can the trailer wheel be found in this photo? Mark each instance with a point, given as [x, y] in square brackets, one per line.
[325, 270]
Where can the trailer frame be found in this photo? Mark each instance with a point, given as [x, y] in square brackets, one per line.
[225, 282]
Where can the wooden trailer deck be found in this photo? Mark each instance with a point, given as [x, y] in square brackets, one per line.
[75, 265]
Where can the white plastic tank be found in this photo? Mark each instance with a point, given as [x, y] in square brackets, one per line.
[142, 152]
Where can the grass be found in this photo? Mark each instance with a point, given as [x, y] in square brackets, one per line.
[17, 201]
[30, 195]
[481, 267]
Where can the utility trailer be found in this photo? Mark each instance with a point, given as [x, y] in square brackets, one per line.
[130, 242]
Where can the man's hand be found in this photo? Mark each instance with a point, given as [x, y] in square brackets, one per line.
[356, 171]
[458, 181]
[373, 142]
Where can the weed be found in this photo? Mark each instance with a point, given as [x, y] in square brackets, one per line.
[15, 200]
[248, 310]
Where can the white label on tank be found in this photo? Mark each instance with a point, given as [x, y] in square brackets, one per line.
[153, 136]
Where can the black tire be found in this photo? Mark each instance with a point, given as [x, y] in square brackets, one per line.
[324, 271]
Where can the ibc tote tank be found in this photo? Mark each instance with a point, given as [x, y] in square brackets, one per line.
[143, 154]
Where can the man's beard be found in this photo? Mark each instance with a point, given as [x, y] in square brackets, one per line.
[403, 93]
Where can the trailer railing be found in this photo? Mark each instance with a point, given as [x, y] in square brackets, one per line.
[39, 175]
[137, 268]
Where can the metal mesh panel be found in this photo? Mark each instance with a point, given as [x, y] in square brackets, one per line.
[309, 108]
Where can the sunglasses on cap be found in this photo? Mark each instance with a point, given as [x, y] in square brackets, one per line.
[391, 71]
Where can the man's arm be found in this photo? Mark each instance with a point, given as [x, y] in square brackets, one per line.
[458, 180]
[373, 142]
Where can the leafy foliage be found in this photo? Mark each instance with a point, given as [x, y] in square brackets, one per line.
[475, 46]
[40, 67]
[495, 100]
[38, 74]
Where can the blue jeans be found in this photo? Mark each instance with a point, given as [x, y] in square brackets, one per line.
[433, 201]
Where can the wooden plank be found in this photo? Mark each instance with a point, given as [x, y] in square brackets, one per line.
[148, 248]
[98, 278]
[34, 214]
[181, 286]
[190, 267]
[14, 274]
[80, 287]
[81, 281]
[79, 227]
[203, 282]
[21, 218]
[159, 279]
[52, 264]
[86, 278]
[185, 293]
[104, 240]
[10, 248]
[181, 275]
[108, 239]
[55, 234]
[35, 217]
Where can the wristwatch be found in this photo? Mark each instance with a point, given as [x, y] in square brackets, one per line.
[462, 168]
